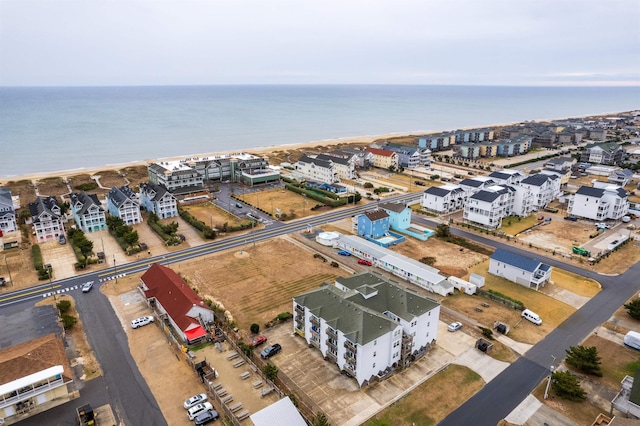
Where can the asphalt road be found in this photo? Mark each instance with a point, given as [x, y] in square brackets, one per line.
[122, 385]
[134, 403]
[503, 394]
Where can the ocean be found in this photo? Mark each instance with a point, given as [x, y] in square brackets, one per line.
[49, 129]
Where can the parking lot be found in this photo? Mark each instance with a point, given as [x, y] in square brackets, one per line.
[339, 396]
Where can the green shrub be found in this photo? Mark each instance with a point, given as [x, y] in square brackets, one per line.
[335, 264]
[89, 186]
[36, 256]
[255, 328]
[68, 321]
[284, 316]
[63, 306]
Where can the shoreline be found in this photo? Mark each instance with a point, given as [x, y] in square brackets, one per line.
[263, 150]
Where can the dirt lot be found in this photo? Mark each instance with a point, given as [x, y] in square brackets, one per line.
[450, 259]
[287, 201]
[257, 283]
[559, 235]
[213, 215]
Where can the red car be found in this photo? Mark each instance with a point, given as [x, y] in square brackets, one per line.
[365, 262]
[258, 340]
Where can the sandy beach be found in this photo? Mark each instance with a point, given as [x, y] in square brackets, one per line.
[256, 151]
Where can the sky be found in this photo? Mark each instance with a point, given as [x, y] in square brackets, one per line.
[443, 42]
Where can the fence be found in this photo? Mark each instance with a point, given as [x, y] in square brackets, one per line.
[513, 305]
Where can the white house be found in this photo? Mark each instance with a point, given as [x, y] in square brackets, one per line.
[345, 167]
[475, 184]
[507, 177]
[560, 164]
[123, 203]
[609, 202]
[317, 169]
[157, 199]
[444, 199]
[622, 177]
[7, 212]
[366, 324]
[488, 207]
[519, 269]
[46, 219]
[417, 273]
[544, 188]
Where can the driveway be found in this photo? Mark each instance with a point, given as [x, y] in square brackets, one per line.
[61, 258]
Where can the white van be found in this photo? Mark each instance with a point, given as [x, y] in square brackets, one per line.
[531, 316]
[632, 339]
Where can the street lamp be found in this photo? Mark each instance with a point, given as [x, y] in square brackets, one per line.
[546, 391]
[50, 270]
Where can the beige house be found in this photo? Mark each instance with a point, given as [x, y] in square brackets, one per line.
[35, 376]
[383, 158]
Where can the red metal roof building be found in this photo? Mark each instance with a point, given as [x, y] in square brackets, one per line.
[184, 309]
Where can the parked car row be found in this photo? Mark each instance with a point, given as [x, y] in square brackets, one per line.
[200, 410]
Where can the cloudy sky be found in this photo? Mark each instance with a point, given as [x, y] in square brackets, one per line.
[462, 42]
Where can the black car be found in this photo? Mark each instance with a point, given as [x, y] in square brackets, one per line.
[270, 351]
[571, 218]
[206, 417]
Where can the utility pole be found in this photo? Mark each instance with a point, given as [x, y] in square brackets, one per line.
[546, 391]
[115, 270]
[9, 270]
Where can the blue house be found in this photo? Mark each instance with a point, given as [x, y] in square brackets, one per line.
[399, 215]
[373, 224]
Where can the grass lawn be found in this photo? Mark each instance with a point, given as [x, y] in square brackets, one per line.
[513, 225]
[433, 400]
[575, 283]
[283, 199]
[617, 361]
[213, 215]
[583, 413]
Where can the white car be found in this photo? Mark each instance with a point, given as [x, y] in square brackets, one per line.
[195, 399]
[139, 322]
[454, 326]
[86, 287]
[198, 409]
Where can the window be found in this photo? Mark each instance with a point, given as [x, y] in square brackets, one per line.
[374, 354]
[375, 342]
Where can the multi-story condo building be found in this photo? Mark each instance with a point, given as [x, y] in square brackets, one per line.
[191, 172]
[544, 188]
[366, 325]
[438, 142]
[157, 199]
[597, 134]
[46, 219]
[502, 148]
[317, 169]
[383, 158]
[123, 203]
[88, 212]
[475, 184]
[345, 167]
[602, 153]
[599, 203]
[444, 199]
[8, 221]
[473, 135]
[174, 175]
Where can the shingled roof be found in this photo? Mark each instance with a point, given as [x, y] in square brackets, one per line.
[33, 356]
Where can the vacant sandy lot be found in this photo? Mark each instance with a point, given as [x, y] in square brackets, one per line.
[559, 235]
[258, 282]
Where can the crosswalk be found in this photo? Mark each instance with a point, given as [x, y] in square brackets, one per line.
[79, 286]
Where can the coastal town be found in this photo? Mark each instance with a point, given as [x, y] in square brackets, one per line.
[386, 282]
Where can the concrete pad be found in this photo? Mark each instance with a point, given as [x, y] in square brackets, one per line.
[610, 335]
[524, 410]
[566, 296]
[547, 415]
[519, 347]
[487, 367]
[456, 342]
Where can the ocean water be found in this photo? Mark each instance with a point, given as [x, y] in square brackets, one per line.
[46, 129]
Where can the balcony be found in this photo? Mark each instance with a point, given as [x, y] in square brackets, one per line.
[315, 332]
[315, 321]
[350, 358]
[331, 343]
[350, 346]
[300, 319]
[332, 357]
[332, 334]
[349, 369]
[300, 310]
[314, 342]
